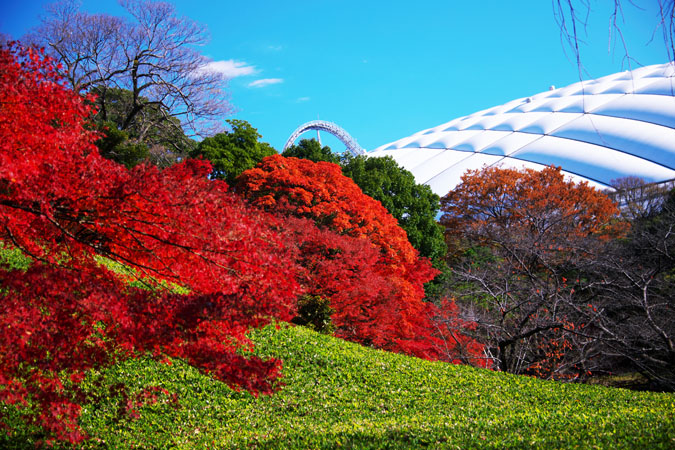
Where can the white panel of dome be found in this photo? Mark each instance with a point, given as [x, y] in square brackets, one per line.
[578, 179]
[664, 86]
[502, 108]
[655, 71]
[423, 132]
[422, 141]
[401, 143]
[492, 122]
[549, 123]
[619, 76]
[450, 126]
[531, 104]
[466, 123]
[592, 161]
[626, 86]
[595, 130]
[510, 143]
[432, 167]
[449, 139]
[481, 140]
[396, 154]
[555, 104]
[419, 156]
[518, 164]
[588, 103]
[592, 88]
[415, 160]
[567, 91]
[657, 109]
[449, 178]
[646, 140]
[487, 122]
[433, 130]
[517, 121]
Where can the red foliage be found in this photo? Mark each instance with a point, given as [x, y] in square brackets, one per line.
[456, 346]
[371, 274]
[62, 203]
[319, 191]
[362, 290]
[553, 362]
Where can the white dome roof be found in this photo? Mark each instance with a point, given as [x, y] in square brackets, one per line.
[600, 130]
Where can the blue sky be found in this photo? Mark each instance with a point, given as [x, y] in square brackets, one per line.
[386, 69]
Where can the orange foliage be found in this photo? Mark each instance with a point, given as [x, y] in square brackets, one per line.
[515, 238]
[533, 202]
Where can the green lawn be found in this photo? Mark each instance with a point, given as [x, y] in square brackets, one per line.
[341, 395]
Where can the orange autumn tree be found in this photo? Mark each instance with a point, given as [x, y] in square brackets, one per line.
[519, 241]
[492, 201]
[320, 192]
[381, 304]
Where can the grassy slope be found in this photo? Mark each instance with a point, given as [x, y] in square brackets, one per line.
[340, 395]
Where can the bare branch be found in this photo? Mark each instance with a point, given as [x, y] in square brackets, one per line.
[154, 56]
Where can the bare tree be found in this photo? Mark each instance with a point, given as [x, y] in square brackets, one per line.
[632, 301]
[572, 17]
[556, 282]
[519, 244]
[638, 199]
[667, 24]
[153, 56]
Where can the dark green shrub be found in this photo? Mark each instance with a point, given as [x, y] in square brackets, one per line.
[315, 312]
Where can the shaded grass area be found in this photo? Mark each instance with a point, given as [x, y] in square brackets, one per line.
[341, 395]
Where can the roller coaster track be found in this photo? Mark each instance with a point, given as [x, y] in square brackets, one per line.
[329, 127]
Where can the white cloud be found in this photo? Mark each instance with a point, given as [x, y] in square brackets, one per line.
[275, 48]
[230, 68]
[265, 82]
[303, 99]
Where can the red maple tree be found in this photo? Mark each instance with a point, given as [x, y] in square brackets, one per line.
[371, 274]
[62, 204]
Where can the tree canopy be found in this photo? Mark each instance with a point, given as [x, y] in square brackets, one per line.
[146, 71]
[519, 241]
[388, 309]
[233, 152]
[632, 294]
[414, 205]
[319, 191]
[312, 150]
[153, 135]
[63, 205]
[206, 264]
